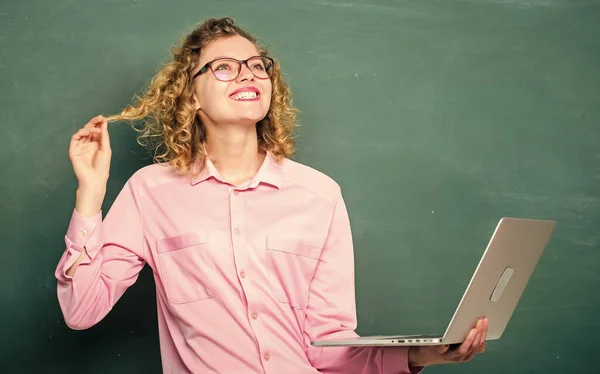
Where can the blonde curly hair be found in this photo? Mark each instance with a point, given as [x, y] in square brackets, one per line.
[173, 130]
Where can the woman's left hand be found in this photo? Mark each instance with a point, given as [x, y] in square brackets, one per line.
[442, 354]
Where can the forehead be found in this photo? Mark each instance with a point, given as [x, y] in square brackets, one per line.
[236, 47]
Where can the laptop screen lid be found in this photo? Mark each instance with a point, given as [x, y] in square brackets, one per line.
[500, 278]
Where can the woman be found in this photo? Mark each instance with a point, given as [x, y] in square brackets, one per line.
[251, 252]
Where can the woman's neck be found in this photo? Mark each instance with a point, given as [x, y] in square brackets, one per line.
[234, 152]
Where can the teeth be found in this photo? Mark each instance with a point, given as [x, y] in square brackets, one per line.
[244, 95]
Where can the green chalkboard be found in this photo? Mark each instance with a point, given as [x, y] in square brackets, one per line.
[437, 118]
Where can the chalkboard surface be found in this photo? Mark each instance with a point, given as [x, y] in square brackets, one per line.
[437, 118]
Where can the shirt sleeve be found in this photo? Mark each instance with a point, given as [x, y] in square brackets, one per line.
[331, 311]
[115, 251]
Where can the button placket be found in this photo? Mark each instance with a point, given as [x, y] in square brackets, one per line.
[236, 211]
[234, 208]
[237, 224]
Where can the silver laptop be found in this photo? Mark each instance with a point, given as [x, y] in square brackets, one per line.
[493, 292]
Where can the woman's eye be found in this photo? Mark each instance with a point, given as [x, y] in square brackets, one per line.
[258, 67]
[222, 67]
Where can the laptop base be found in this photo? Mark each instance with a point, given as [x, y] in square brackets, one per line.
[381, 341]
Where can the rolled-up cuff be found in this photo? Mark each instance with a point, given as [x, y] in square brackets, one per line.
[82, 233]
[81, 229]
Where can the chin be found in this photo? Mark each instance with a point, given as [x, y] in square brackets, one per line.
[252, 116]
[248, 115]
[250, 121]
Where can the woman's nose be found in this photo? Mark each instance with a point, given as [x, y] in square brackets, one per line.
[245, 73]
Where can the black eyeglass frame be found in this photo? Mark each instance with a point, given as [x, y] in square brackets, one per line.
[207, 66]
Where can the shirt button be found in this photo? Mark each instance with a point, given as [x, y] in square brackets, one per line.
[254, 316]
[83, 232]
[235, 192]
[237, 231]
[267, 356]
[242, 274]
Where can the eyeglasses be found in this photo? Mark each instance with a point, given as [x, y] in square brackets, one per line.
[228, 69]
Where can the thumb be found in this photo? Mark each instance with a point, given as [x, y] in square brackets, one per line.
[104, 138]
[442, 348]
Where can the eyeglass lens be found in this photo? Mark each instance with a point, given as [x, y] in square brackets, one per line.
[226, 69]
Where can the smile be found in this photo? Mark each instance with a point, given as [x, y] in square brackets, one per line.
[248, 95]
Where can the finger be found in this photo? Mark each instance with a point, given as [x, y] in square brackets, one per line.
[88, 131]
[469, 357]
[479, 325]
[77, 147]
[97, 132]
[487, 325]
[104, 137]
[483, 332]
[476, 348]
[471, 352]
[94, 122]
[475, 344]
[483, 338]
[75, 137]
[442, 348]
[466, 345]
[84, 133]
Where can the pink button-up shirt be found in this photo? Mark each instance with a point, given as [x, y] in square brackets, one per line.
[246, 277]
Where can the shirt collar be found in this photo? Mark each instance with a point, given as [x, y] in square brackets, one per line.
[268, 173]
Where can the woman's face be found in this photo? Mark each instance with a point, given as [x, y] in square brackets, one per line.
[244, 100]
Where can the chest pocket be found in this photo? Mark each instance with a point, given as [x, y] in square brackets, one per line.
[291, 264]
[185, 267]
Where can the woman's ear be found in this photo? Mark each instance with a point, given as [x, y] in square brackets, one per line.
[195, 101]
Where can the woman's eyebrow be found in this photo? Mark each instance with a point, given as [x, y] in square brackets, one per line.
[233, 58]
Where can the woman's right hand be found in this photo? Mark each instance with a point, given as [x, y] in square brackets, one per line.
[90, 155]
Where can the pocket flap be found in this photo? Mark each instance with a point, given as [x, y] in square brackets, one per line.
[181, 241]
[306, 247]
